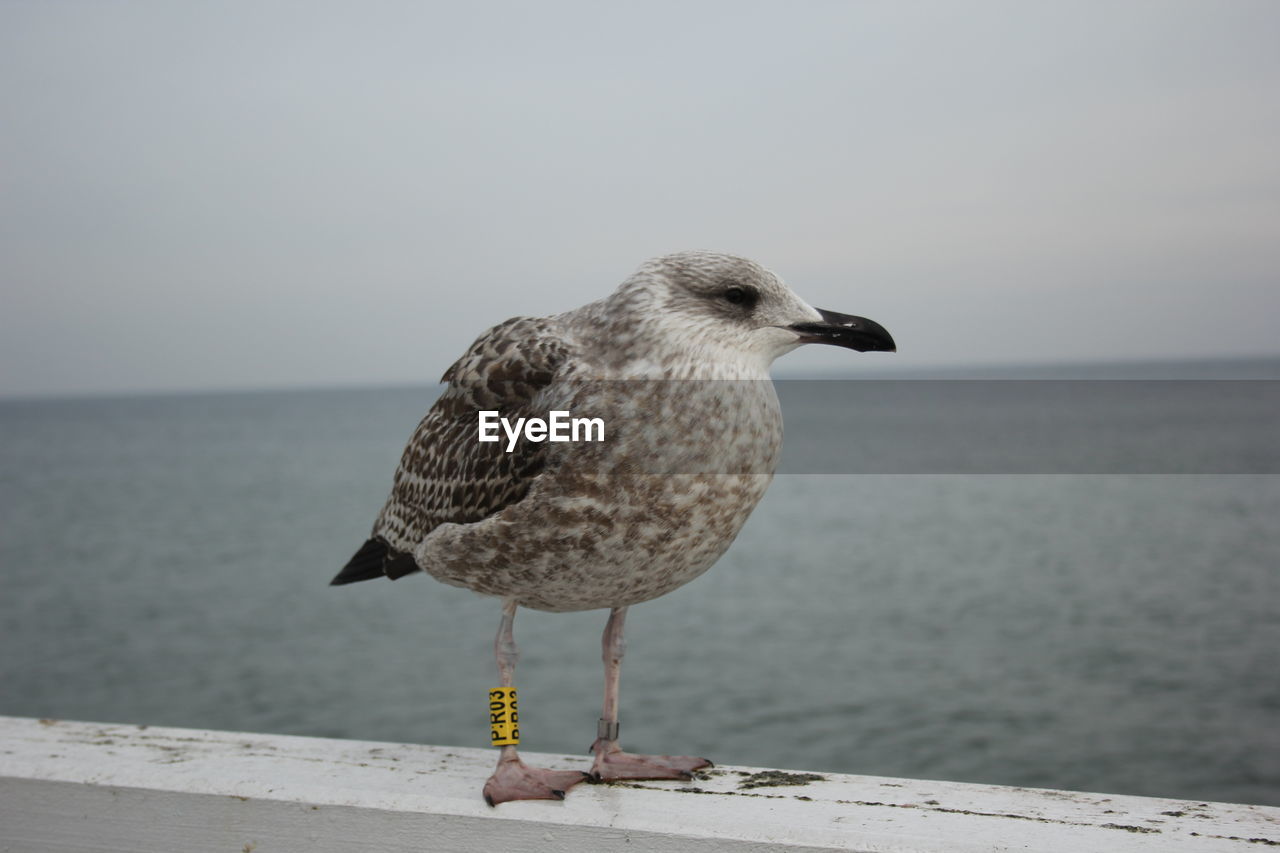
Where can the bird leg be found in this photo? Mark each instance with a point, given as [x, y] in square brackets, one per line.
[512, 779]
[611, 763]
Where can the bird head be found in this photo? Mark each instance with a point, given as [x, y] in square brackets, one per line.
[730, 303]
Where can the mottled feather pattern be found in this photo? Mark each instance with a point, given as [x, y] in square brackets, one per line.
[445, 474]
[693, 431]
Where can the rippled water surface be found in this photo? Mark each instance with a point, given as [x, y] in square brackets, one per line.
[165, 561]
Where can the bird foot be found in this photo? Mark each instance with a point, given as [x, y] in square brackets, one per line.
[515, 780]
[613, 765]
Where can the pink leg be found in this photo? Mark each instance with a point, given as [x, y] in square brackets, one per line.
[611, 762]
[512, 779]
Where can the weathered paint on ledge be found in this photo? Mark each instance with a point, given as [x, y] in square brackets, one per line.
[88, 786]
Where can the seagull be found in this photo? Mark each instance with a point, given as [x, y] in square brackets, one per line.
[675, 366]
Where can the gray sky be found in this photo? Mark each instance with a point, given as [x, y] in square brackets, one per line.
[261, 194]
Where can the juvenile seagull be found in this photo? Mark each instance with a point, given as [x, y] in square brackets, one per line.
[676, 364]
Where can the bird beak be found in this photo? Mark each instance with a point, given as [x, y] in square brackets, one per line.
[845, 330]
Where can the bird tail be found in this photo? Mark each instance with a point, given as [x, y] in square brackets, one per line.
[375, 559]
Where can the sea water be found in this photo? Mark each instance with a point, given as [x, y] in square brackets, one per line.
[1052, 618]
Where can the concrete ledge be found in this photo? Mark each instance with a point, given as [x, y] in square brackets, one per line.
[68, 786]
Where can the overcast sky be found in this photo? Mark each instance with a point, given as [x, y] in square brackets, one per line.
[263, 194]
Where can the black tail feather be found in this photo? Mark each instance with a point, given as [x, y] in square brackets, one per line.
[365, 565]
[375, 559]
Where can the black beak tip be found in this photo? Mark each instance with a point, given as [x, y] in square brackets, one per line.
[846, 330]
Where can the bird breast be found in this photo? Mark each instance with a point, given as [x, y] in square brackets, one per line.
[614, 523]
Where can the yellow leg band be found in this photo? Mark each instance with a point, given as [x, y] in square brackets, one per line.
[504, 717]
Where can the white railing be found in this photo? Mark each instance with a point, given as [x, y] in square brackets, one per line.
[68, 786]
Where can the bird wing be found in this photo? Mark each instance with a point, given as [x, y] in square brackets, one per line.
[446, 474]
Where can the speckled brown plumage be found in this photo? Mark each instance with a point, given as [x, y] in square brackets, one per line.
[676, 363]
[445, 474]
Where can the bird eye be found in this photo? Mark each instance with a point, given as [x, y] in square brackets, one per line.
[737, 295]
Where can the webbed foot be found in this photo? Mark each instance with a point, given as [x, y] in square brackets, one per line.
[612, 764]
[515, 780]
